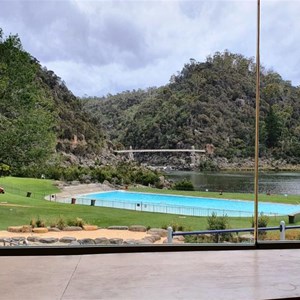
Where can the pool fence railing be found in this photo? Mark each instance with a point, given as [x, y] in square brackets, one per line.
[160, 207]
[282, 229]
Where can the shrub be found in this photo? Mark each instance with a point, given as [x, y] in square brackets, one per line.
[215, 222]
[32, 223]
[76, 222]
[37, 222]
[175, 226]
[262, 222]
[184, 185]
[40, 222]
[208, 165]
[61, 223]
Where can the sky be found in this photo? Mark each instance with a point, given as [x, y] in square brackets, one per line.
[109, 46]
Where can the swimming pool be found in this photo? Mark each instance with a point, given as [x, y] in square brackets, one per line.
[183, 205]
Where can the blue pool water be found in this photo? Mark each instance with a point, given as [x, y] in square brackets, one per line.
[183, 204]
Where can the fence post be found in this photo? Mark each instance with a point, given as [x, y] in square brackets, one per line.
[170, 235]
[282, 230]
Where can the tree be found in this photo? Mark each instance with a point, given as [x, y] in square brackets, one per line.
[273, 128]
[26, 110]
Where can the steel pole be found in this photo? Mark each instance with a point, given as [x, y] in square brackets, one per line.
[257, 125]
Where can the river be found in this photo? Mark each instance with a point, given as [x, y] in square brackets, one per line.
[274, 182]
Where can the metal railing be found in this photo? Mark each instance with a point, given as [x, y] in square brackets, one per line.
[282, 228]
[161, 207]
[21, 192]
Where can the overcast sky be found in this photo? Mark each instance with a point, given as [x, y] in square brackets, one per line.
[101, 47]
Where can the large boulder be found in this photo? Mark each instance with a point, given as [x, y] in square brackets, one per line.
[26, 228]
[49, 240]
[145, 242]
[138, 228]
[53, 229]
[116, 241]
[90, 227]
[67, 239]
[33, 239]
[72, 228]
[40, 230]
[102, 241]
[15, 228]
[158, 231]
[118, 227]
[86, 241]
[152, 238]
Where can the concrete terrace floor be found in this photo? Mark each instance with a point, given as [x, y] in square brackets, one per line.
[248, 274]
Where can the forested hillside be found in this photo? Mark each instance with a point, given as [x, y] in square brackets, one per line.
[41, 121]
[207, 102]
[43, 125]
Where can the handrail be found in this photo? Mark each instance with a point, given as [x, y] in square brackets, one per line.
[282, 228]
[226, 231]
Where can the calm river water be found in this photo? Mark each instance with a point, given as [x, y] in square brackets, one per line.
[276, 183]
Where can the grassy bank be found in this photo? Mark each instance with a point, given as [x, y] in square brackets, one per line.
[17, 209]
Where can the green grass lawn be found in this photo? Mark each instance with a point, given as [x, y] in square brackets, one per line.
[17, 209]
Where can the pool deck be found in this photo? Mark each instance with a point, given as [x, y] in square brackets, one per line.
[238, 274]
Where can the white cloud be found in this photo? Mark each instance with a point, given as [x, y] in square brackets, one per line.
[100, 47]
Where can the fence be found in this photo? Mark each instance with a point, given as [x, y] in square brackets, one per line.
[22, 192]
[161, 208]
[282, 228]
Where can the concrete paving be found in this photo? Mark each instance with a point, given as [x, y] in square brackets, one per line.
[248, 274]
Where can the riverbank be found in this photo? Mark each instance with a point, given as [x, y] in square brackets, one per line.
[239, 164]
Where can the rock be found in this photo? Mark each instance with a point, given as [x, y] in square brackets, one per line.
[49, 240]
[179, 238]
[67, 239]
[130, 242]
[18, 239]
[90, 227]
[72, 228]
[86, 241]
[175, 241]
[145, 241]
[40, 230]
[33, 239]
[152, 238]
[138, 228]
[54, 229]
[118, 227]
[102, 241]
[158, 231]
[74, 243]
[26, 228]
[14, 228]
[116, 241]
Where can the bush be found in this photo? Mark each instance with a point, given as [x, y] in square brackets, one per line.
[219, 223]
[76, 222]
[37, 222]
[184, 185]
[262, 222]
[61, 223]
[208, 165]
